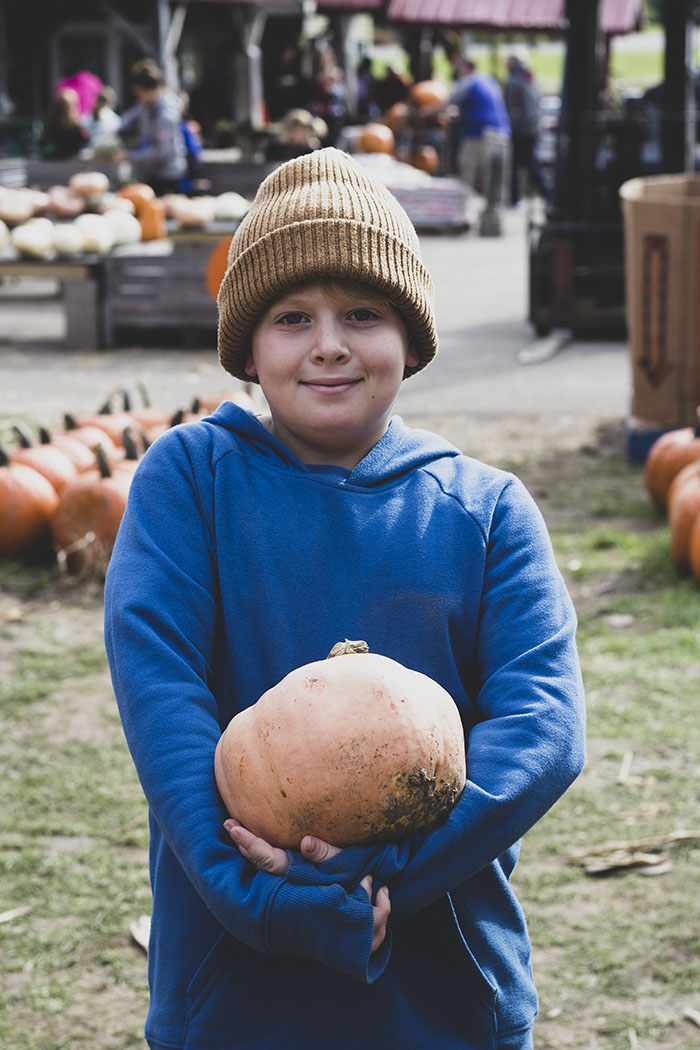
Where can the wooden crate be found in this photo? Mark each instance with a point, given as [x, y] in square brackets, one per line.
[157, 285]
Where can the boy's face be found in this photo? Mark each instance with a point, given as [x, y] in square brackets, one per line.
[330, 360]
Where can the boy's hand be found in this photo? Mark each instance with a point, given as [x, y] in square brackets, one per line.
[256, 850]
[275, 861]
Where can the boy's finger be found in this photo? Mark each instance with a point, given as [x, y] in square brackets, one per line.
[317, 850]
[367, 885]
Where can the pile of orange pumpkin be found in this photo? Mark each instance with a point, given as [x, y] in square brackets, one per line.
[63, 493]
[426, 105]
[672, 479]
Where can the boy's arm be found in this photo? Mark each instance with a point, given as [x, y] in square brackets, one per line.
[160, 616]
[527, 745]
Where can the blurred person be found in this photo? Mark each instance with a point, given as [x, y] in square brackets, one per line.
[159, 157]
[64, 133]
[104, 122]
[484, 149]
[523, 105]
[367, 107]
[330, 94]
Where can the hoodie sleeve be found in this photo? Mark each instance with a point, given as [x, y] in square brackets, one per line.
[527, 746]
[161, 613]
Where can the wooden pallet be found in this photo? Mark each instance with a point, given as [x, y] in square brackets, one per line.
[157, 285]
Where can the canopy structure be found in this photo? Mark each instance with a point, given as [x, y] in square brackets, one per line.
[543, 16]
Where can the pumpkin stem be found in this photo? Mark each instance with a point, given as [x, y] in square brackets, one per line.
[347, 647]
[70, 422]
[4, 458]
[130, 446]
[697, 422]
[177, 417]
[144, 395]
[102, 462]
[44, 436]
[23, 435]
[195, 407]
[126, 401]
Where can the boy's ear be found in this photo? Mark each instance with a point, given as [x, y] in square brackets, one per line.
[249, 367]
[412, 359]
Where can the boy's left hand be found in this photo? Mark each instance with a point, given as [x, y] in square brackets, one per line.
[272, 859]
[275, 861]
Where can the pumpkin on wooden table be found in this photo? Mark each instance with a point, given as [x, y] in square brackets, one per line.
[56, 466]
[427, 94]
[353, 749]
[90, 185]
[138, 193]
[426, 158]
[27, 504]
[376, 138]
[669, 453]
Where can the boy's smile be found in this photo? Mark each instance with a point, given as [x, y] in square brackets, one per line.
[330, 357]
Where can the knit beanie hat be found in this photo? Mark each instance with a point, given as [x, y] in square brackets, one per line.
[322, 215]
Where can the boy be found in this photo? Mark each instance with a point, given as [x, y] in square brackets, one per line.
[249, 547]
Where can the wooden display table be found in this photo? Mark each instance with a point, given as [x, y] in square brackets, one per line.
[150, 285]
[161, 284]
[80, 282]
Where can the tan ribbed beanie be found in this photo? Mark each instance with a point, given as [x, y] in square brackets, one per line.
[322, 215]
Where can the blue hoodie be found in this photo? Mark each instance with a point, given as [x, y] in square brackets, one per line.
[234, 564]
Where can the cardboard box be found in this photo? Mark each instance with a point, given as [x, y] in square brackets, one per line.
[662, 286]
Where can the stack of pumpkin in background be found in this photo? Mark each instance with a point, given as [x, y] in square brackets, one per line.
[672, 478]
[401, 129]
[63, 492]
[87, 217]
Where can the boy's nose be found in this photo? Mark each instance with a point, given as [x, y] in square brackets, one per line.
[329, 344]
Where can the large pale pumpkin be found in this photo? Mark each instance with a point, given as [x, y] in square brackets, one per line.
[354, 749]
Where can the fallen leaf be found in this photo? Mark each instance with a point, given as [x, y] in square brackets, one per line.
[15, 913]
[140, 930]
[692, 1015]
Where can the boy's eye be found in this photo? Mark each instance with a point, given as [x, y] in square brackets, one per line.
[292, 318]
[363, 313]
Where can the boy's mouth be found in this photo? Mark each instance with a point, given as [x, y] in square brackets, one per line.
[330, 385]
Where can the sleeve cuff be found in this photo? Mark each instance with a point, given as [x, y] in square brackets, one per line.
[330, 926]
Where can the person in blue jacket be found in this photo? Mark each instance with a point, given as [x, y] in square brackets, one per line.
[484, 152]
[249, 546]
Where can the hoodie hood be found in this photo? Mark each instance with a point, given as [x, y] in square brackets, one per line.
[399, 451]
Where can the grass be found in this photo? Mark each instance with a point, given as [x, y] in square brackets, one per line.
[615, 956]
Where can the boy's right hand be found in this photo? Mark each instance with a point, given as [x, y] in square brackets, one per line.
[275, 861]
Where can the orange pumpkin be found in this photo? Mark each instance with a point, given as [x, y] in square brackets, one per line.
[376, 138]
[353, 749]
[77, 451]
[27, 503]
[151, 215]
[85, 523]
[90, 434]
[683, 509]
[669, 453]
[426, 159]
[429, 93]
[112, 422]
[396, 117]
[48, 460]
[138, 193]
[694, 549]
